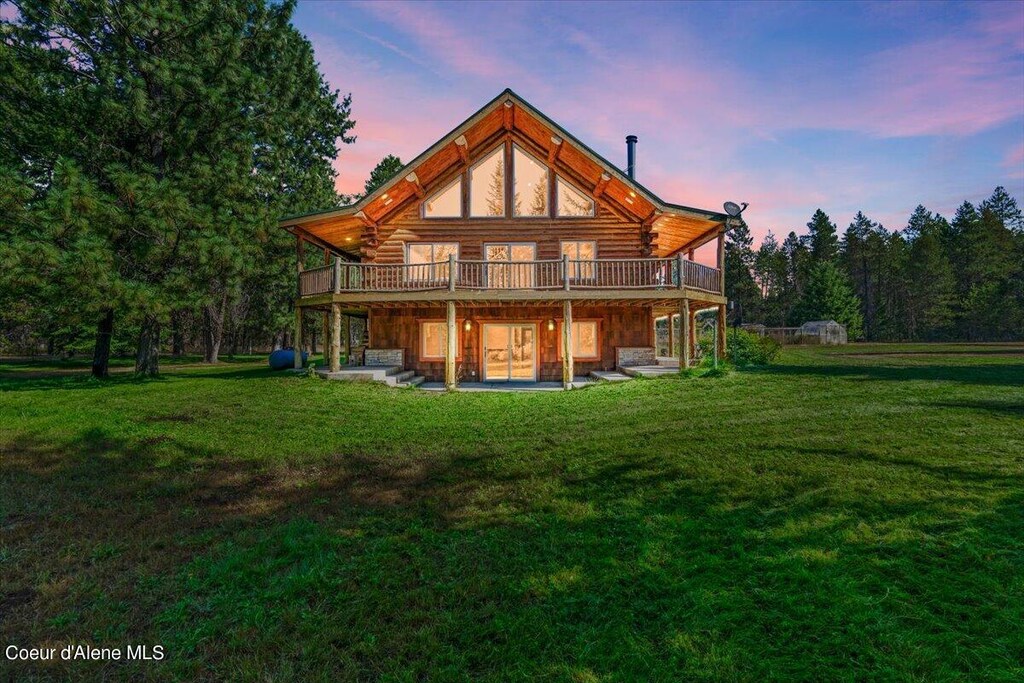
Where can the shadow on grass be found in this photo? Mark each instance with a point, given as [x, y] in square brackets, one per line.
[29, 381]
[365, 566]
[989, 375]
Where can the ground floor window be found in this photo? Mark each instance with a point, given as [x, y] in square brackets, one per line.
[585, 342]
[433, 338]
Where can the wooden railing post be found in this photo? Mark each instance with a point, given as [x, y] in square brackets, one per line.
[565, 272]
[451, 272]
[681, 261]
[337, 275]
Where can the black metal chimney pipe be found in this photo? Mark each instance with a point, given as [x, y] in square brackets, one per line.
[630, 155]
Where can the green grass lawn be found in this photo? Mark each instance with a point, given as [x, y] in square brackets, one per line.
[851, 513]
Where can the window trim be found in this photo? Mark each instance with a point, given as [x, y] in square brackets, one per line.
[421, 338]
[548, 172]
[593, 200]
[597, 339]
[469, 182]
[433, 264]
[461, 215]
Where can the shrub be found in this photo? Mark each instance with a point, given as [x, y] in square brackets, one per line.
[744, 348]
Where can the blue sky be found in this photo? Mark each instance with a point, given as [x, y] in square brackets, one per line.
[788, 106]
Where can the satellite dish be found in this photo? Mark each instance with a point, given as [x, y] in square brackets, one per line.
[734, 209]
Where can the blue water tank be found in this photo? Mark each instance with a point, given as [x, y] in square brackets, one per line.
[282, 359]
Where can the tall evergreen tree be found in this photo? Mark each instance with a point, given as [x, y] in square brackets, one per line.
[823, 237]
[829, 296]
[197, 123]
[740, 286]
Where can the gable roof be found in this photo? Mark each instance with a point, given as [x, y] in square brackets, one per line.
[341, 228]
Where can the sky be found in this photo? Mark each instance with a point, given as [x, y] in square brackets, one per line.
[791, 107]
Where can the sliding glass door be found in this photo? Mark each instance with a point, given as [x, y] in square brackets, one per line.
[510, 352]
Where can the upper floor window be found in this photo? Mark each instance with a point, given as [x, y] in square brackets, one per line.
[446, 203]
[529, 185]
[431, 259]
[570, 201]
[580, 252]
[487, 185]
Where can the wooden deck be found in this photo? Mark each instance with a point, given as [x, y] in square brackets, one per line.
[652, 280]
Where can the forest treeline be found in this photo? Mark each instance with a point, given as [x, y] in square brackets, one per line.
[933, 280]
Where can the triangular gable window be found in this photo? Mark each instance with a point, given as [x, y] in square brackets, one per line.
[572, 202]
[487, 185]
[530, 184]
[446, 203]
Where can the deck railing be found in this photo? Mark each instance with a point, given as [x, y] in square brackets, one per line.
[458, 274]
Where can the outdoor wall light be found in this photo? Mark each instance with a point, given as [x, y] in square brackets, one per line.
[468, 325]
[551, 326]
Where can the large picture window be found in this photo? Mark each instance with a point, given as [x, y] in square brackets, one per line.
[529, 185]
[585, 343]
[446, 203]
[580, 250]
[570, 201]
[487, 186]
[430, 259]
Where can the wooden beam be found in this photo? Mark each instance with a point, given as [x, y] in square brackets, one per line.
[567, 360]
[507, 115]
[335, 356]
[554, 149]
[450, 350]
[361, 215]
[601, 185]
[416, 186]
[463, 148]
[297, 342]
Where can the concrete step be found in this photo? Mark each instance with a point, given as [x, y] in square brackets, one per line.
[649, 370]
[414, 381]
[609, 376]
[404, 375]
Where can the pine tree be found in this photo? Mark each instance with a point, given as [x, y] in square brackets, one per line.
[198, 123]
[740, 286]
[822, 236]
[829, 296]
[798, 264]
[385, 170]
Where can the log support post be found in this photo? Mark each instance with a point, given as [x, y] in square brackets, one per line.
[567, 360]
[693, 333]
[684, 334]
[297, 342]
[335, 362]
[450, 350]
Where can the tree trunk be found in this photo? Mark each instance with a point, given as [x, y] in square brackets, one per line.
[212, 329]
[177, 338]
[147, 359]
[101, 351]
